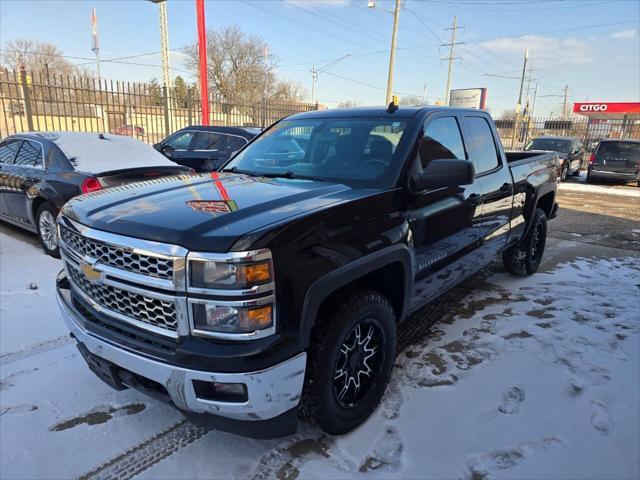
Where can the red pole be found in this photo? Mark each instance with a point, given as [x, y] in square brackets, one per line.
[202, 54]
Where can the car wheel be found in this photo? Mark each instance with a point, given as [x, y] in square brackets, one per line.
[48, 229]
[350, 363]
[565, 172]
[524, 259]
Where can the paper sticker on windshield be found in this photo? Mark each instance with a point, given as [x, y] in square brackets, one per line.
[213, 206]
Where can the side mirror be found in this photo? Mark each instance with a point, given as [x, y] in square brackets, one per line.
[167, 150]
[575, 152]
[444, 173]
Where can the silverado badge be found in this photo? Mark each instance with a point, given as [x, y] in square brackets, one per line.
[90, 273]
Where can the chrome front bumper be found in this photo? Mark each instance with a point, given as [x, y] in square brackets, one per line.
[271, 392]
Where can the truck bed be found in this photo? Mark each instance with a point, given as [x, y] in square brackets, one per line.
[520, 157]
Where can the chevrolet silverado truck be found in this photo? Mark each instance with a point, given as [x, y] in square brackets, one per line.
[275, 287]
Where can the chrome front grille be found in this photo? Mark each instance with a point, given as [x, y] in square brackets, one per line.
[118, 257]
[148, 310]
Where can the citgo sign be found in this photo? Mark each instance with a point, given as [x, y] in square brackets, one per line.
[607, 107]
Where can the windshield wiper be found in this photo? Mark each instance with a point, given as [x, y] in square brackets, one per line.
[236, 170]
[291, 174]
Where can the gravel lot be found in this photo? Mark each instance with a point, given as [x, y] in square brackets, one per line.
[501, 378]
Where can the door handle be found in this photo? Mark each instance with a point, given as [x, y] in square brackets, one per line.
[474, 200]
[507, 189]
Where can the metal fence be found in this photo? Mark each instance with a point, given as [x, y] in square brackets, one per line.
[39, 102]
[589, 130]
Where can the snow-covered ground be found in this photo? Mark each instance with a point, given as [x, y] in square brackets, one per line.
[524, 378]
[581, 186]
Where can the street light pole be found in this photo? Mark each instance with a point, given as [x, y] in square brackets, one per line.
[202, 57]
[392, 54]
[394, 38]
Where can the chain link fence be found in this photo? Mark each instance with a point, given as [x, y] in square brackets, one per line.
[41, 102]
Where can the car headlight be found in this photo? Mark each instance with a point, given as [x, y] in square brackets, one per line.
[211, 317]
[230, 273]
[231, 295]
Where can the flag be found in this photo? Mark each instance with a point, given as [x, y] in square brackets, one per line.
[95, 45]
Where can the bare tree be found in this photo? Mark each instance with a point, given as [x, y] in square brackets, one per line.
[412, 101]
[238, 71]
[38, 58]
[350, 104]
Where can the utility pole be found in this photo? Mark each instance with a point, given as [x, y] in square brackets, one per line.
[314, 79]
[535, 95]
[202, 59]
[392, 55]
[564, 105]
[452, 44]
[315, 72]
[519, 104]
[394, 38]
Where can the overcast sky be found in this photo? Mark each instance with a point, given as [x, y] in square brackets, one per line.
[590, 45]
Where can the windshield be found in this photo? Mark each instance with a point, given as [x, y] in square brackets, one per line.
[624, 150]
[551, 144]
[346, 150]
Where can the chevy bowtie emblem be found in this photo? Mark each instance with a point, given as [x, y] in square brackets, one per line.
[90, 272]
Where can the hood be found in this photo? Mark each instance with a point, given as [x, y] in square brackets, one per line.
[207, 212]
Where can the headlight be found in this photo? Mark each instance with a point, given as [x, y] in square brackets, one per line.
[231, 295]
[209, 317]
[229, 274]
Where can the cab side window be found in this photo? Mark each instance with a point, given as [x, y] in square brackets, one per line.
[180, 141]
[8, 150]
[482, 145]
[30, 155]
[442, 140]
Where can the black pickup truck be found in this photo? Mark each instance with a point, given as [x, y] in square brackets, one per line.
[276, 286]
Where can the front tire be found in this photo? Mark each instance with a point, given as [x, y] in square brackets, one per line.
[48, 229]
[350, 363]
[524, 259]
[565, 172]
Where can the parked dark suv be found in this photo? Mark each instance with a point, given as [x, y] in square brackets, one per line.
[569, 149]
[205, 148]
[616, 160]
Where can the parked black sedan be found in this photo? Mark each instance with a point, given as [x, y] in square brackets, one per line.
[205, 148]
[39, 172]
[569, 149]
[617, 160]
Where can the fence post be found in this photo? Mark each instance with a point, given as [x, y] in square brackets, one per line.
[189, 108]
[26, 96]
[165, 97]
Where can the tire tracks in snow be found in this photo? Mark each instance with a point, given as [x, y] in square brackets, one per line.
[148, 453]
[36, 349]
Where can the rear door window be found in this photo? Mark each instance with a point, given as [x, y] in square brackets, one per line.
[482, 145]
[235, 143]
[29, 155]
[442, 140]
[8, 150]
[209, 141]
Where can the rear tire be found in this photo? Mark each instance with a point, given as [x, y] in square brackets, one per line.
[524, 259]
[565, 172]
[47, 229]
[350, 363]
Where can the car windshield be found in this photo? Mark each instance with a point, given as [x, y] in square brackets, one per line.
[551, 144]
[357, 151]
[625, 150]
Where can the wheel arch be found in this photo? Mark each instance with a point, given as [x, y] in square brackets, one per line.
[388, 270]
